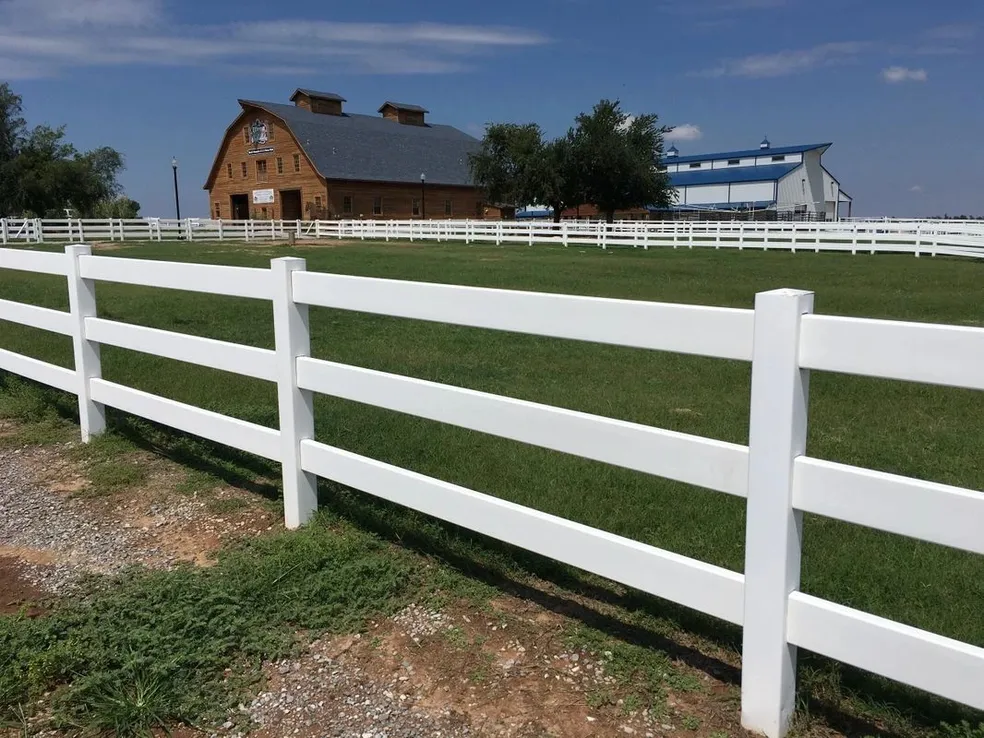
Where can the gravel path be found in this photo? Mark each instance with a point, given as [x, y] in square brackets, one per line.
[62, 539]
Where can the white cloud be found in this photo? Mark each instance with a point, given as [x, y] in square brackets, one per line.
[684, 132]
[894, 75]
[790, 61]
[953, 32]
[916, 188]
[45, 37]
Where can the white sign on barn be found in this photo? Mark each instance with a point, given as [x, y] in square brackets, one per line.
[262, 197]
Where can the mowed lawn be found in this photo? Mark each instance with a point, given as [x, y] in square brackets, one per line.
[925, 432]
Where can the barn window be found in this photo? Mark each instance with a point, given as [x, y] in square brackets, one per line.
[297, 162]
[733, 162]
[218, 208]
[261, 170]
[244, 170]
[317, 202]
[263, 213]
[246, 134]
[229, 169]
[695, 165]
[280, 165]
[448, 208]
[779, 158]
[416, 206]
[347, 204]
[377, 205]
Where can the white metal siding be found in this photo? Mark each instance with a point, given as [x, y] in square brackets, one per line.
[707, 194]
[753, 191]
[766, 159]
[791, 190]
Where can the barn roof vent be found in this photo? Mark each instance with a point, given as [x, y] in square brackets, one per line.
[323, 103]
[765, 143]
[411, 115]
[673, 150]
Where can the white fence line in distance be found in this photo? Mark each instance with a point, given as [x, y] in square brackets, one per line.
[917, 237]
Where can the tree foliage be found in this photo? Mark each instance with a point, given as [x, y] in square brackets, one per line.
[619, 157]
[42, 174]
[609, 159]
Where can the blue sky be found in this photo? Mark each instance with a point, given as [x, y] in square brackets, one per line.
[896, 86]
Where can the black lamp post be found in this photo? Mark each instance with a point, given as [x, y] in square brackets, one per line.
[177, 201]
[423, 199]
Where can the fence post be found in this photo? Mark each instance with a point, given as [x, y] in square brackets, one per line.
[773, 530]
[918, 238]
[82, 305]
[293, 339]
[3, 231]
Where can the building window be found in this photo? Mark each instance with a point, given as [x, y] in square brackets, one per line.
[261, 170]
[347, 204]
[695, 165]
[448, 209]
[280, 165]
[229, 169]
[297, 162]
[244, 170]
[779, 158]
[218, 209]
[416, 206]
[733, 162]
[317, 202]
[263, 213]
[246, 134]
[377, 205]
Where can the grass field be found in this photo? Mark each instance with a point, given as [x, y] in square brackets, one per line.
[925, 432]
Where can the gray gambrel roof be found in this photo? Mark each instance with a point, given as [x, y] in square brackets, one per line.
[370, 148]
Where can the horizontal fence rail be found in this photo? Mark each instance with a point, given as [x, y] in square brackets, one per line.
[781, 338]
[917, 237]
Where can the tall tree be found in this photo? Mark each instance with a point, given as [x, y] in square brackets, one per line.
[505, 167]
[557, 178]
[618, 156]
[42, 174]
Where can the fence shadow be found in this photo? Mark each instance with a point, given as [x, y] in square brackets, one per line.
[644, 620]
[232, 467]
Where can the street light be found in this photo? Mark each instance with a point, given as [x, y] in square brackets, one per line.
[423, 199]
[177, 201]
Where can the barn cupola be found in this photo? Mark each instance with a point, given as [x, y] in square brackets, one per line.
[765, 144]
[323, 103]
[673, 150]
[408, 115]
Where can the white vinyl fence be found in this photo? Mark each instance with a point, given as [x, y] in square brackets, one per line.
[781, 337]
[948, 238]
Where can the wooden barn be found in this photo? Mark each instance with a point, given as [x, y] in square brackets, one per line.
[311, 159]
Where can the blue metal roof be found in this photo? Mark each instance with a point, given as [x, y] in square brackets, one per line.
[747, 153]
[763, 173]
[757, 205]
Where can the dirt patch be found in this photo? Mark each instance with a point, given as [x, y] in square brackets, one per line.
[509, 671]
[17, 594]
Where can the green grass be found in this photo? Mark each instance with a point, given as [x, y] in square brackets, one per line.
[921, 431]
[150, 650]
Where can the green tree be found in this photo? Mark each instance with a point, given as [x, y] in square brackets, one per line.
[118, 207]
[505, 166]
[557, 180]
[42, 174]
[618, 157]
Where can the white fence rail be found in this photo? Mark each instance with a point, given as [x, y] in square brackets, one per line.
[781, 338]
[949, 238]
